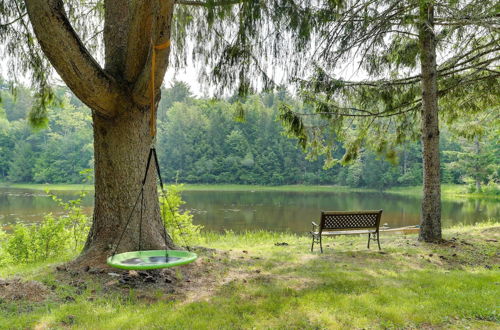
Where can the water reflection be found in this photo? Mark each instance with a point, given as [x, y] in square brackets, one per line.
[25, 205]
[280, 211]
[294, 211]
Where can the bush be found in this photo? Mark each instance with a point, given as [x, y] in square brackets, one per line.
[76, 222]
[491, 188]
[54, 236]
[179, 224]
[4, 256]
[30, 243]
[471, 188]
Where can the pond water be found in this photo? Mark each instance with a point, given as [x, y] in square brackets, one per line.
[271, 210]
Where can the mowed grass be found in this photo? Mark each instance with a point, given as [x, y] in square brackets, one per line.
[249, 282]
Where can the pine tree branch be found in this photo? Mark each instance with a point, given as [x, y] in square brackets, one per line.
[461, 82]
[13, 21]
[384, 114]
[455, 60]
[443, 71]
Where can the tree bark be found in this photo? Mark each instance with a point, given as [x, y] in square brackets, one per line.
[431, 203]
[121, 148]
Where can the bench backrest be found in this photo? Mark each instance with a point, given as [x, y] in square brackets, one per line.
[334, 220]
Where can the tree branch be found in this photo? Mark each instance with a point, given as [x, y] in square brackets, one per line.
[13, 21]
[71, 59]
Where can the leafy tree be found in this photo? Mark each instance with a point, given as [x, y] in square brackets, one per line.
[21, 164]
[6, 144]
[178, 92]
[67, 149]
[16, 105]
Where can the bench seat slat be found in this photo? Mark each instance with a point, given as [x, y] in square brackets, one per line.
[345, 232]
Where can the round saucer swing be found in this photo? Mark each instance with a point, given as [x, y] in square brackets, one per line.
[150, 259]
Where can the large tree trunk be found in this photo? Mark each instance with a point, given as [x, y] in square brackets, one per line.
[121, 148]
[119, 95]
[431, 203]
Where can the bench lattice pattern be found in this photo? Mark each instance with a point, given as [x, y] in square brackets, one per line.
[347, 221]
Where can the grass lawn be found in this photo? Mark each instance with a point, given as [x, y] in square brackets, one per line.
[447, 190]
[246, 281]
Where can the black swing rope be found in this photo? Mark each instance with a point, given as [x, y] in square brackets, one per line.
[152, 153]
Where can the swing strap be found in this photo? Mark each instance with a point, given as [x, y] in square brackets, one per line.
[151, 156]
[152, 153]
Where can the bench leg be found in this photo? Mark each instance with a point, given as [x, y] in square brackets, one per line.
[375, 237]
[316, 239]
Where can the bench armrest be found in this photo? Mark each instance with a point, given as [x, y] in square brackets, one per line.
[314, 225]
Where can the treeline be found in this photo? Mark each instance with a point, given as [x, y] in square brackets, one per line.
[222, 141]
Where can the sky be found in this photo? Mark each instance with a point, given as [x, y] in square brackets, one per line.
[187, 75]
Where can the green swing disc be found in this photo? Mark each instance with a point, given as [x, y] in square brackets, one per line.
[151, 259]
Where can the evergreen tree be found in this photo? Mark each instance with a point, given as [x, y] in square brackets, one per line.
[396, 43]
[237, 40]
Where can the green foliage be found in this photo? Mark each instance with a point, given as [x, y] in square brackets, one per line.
[56, 154]
[381, 39]
[20, 168]
[4, 255]
[30, 243]
[178, 222]
[491, 188]
[178, 92]
[200, 141]
[6, 150]
[76, 222]
[52, 237]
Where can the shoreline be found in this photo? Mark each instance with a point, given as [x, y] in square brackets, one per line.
[447, 190]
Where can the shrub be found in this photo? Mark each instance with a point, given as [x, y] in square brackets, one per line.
[54, 236]
[4, 256]
[491, 188]
[76, 222]
[179, 223]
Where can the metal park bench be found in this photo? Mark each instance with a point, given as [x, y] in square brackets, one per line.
[347, 223]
